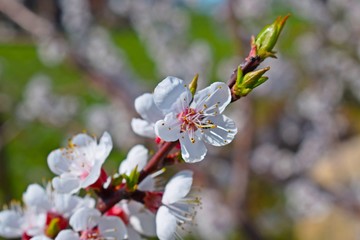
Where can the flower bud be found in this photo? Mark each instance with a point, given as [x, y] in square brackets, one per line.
[132, 179]
[267, 38]
[193, 84]
[245, 84]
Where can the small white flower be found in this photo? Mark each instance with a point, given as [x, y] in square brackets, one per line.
[11, 222]
[176, 209]
[92, 225]
[79, 165]
[16, 222]
[150, 113]
[42, 206]
[193, 120]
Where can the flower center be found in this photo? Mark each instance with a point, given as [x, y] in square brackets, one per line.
[192, 120]
[54, 224]
[92, 234]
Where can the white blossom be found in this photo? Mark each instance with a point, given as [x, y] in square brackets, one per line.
[79, 164]
[16, 222]
[91, 225]
[176, 209]
[193, 120]
[41, 207]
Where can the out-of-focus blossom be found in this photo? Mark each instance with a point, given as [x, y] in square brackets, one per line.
[214, 219]
[101, 118]
[15, 222]
[45, 213]
[52, 51]
[80, 164]
[305, 200]
[193, 120]
[163, 27]
[42, 104]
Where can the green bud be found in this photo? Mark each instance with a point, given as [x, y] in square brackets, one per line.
[245, 84]
[238, 83]
[193, 84]
[117, 180]
[255, 78]
[239, 78]
[267, 38]
[132, 180]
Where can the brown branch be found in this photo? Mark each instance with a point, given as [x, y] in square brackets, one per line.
[26, 19]
[160, 155]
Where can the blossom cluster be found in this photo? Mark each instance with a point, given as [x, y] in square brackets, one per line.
[175, 113]
[131, 204]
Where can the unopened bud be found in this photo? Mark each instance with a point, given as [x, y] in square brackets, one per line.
[238, 83]
[255, 78]
[193, 84]
[267, 38]
[245, 84]
[132, 179]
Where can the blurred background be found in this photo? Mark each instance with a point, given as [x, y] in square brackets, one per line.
[293, 171]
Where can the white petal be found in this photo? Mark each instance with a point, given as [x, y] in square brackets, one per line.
[67, 235]
[165, 224]
[87, 201]
[10, 224]
[172, 94]
[192, 152]
[148, 184]
[104, 147]
[178, 187]
[84, 219]
[137, 156]
[66, 183]
[147, 109]
[169, 128]
[217, 93]
[143, 128]
[223, 134]
[57, 161]
[83, 139]
[35, 196]
[142, 220]
[111, 227]
[93, 176]
[66, 204]
[42, 237]
[132, 234]
[34, 222]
